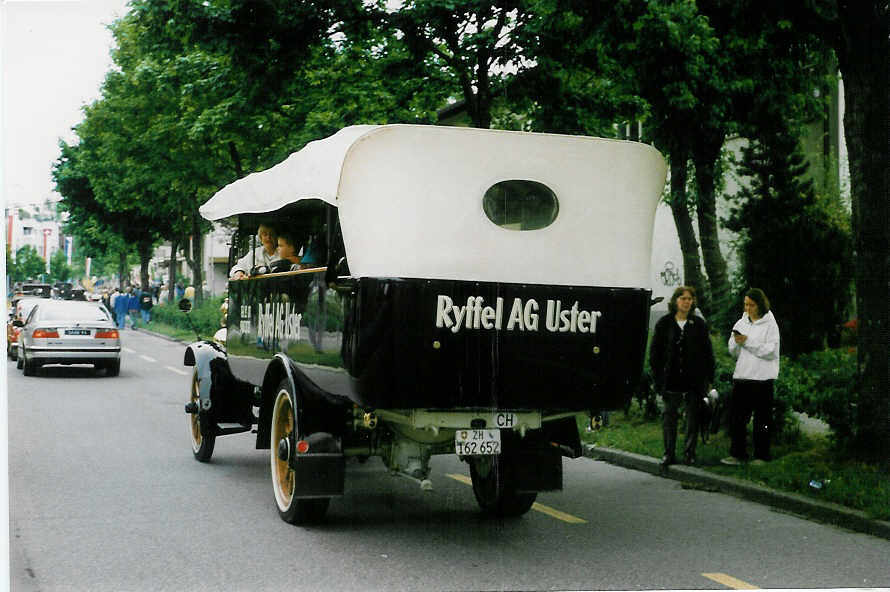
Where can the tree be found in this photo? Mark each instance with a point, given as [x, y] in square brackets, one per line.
[859, 34]
[794, 246]
[28, 265]
[59, 271]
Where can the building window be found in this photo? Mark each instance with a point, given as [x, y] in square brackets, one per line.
[27, 230]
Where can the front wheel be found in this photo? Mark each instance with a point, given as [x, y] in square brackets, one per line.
[202, 442]
[284, 439]
[495, 488]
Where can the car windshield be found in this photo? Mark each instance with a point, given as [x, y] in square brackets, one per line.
[71, 311]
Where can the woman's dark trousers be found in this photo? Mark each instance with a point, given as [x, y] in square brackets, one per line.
[672, 401]
[750, 396]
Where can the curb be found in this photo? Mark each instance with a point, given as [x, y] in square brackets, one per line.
[161, 335]
[790, 502]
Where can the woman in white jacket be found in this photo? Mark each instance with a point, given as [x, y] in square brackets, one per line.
[754, 344]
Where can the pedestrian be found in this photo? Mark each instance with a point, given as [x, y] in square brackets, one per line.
[120, 302]
[754, 343]
[132, 305]
[146, 302]
[179, 290]
[682, 362]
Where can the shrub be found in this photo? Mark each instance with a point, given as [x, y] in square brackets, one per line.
[822, 385]
[206, 317]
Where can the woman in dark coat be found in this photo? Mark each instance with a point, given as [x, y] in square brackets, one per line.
[682, 361]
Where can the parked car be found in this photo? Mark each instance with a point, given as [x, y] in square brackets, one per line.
[471, 292]
[69, 332]
[20, 309]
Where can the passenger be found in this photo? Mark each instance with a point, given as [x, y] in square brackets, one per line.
[754, 343]
[682, 361]
[313, 255]
[289, 249]
[262, 256]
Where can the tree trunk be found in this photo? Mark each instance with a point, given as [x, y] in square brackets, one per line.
[197, 260]
[123, 270]
[145, 249]
[863, 55]
[692, 275]
[171, 277]
[706, 156]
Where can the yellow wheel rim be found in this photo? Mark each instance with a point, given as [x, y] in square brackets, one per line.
[194, 419]
[282, 429]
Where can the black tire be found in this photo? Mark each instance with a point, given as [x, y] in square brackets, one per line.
[202, 440]
[495, 490]
[19, 360]
[113, 368]
[12, 351]
[29, 367]
[283, 439]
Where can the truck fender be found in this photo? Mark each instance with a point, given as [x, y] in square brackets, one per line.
[318, 412]
[199, 354]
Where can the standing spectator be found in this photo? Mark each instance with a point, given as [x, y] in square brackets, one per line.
[754, 344]
[120, 302]
[179, 290]
[132, 305]
[682, 362]
[146, 302]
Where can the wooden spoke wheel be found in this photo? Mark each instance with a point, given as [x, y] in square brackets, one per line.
[284, 437]
[202, 441]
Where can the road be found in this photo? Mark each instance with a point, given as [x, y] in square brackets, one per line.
[105, 495]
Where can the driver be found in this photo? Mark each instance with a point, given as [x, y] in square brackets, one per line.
[262, 256]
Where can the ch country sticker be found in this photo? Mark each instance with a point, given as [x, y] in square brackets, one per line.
[521, 316]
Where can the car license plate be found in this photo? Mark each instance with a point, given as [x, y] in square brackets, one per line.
[77, 331]
[477, 442]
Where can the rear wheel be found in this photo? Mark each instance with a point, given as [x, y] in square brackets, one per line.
[202, 442]
[284, 438]
[113, 368]
[12, 350]
[29, 367]
[495, 488]
[19, 360]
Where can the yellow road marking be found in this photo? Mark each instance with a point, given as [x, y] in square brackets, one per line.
[730, 582]
[552, 512]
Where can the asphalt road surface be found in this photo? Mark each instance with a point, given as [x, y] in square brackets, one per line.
[105, 495]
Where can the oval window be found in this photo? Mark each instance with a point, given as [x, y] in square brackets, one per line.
[520, 205]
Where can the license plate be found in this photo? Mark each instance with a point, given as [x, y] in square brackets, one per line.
[77, 331]
[477, 442]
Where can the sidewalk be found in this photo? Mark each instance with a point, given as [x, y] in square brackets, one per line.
[789, 502]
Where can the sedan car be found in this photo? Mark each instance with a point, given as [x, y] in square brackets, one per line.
[21, 308]
[69, 332]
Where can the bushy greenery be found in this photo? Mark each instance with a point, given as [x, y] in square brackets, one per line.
[822, 385]
[206, 317]
[794, 244]
[333, 311]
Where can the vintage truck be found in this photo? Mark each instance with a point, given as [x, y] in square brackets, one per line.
[473, 292]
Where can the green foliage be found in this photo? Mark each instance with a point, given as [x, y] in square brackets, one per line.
[822, 384]
[59, 269]
[28, 265]
[207, 316]
[795, 247]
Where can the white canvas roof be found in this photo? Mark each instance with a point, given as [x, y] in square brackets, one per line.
[410, 202]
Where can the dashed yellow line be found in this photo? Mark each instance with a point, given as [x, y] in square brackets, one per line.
[730, 582]
[552, 512]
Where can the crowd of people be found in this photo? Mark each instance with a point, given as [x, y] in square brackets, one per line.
[682, 362]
